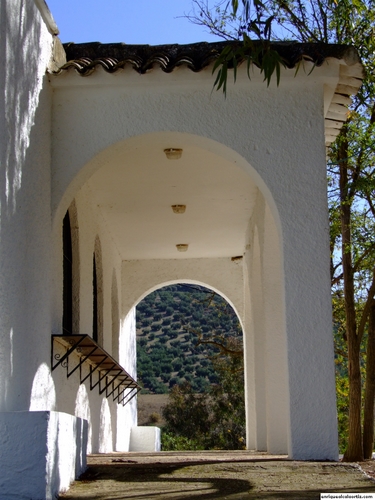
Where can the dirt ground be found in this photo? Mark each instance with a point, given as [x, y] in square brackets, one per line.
[149, 404]
[213, 475]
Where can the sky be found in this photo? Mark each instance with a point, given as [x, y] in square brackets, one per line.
[150, 22]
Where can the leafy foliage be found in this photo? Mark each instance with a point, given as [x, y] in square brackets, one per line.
[173, 442]
[216, 420]
[248, 23]
[202, 367]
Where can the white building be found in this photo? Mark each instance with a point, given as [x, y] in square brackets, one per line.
[252, 176]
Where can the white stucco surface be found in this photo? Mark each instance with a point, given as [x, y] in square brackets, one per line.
[141, 277]
[109, 425]
[41, 453]
[266, 370]
[31, 257]
[145, 439]
[272, 156]
[25, 130]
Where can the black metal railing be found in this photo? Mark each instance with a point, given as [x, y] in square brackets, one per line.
[93, 362]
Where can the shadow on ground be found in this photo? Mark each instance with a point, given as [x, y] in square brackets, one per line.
[125, 478]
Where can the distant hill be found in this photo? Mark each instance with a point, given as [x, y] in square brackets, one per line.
[170, 322]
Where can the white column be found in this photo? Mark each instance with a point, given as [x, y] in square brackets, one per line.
[276, 348]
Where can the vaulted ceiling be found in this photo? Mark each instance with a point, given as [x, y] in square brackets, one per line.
[136, 190]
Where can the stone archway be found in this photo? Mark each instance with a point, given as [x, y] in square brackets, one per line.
[180, 327]
[266, 410]
[127, 200]
[231, 225]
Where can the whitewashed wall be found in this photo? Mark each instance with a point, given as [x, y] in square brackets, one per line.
[25, 239]
[266, 371]
[41, 444]
[109, 423]
[40, 453]
[30, 287]
[276, 135]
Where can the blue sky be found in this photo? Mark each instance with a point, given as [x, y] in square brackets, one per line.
[131, 21]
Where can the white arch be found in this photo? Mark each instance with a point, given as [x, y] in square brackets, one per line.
[69, 181]
[188, 282]
[290, 240]
[221, 275]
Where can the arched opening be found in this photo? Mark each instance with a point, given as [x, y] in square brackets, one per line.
[71, 276]
[95, 300]
[97, 293]
[115, 315]
[67, 320]
[130, 207]
[190, 363]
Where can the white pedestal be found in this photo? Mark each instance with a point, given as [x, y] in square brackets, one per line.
[41, 453]
[145, 439]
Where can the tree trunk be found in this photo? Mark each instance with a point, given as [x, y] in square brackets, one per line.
[354, 451]
[368, 420]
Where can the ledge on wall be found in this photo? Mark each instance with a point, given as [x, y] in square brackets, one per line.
[103, 371]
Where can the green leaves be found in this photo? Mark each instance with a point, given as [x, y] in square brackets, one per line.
[226, 59]
[215, 420]
[260, 53]
[234, 6]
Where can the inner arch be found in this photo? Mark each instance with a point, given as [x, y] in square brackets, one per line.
[188, 335]
[189, 282]
[133, 184]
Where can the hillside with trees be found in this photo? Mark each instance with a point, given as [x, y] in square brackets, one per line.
[189, 344]
[180, 330]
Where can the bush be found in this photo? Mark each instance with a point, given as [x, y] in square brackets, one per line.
[171, 442]
[186, 413]
[202, 372]
[216, 419]
[172, 383]
[149, 311]
[166, 368]
[159, 388]
[154, 417]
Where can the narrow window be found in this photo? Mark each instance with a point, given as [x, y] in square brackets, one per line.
[95, 302]
[97, 292]
[67, 321]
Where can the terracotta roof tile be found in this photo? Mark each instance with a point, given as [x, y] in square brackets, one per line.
[86, 57]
